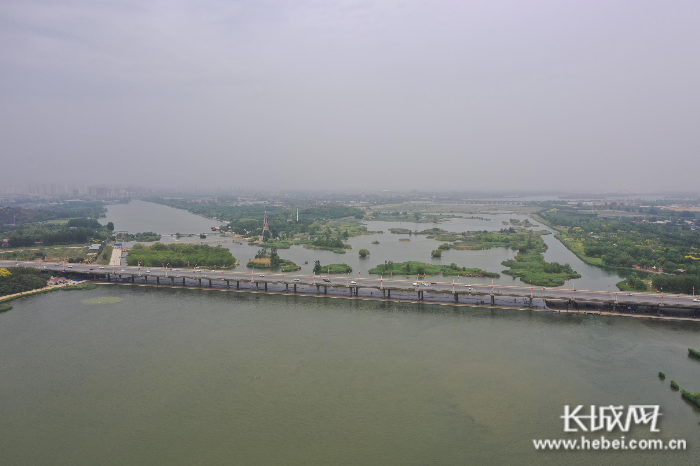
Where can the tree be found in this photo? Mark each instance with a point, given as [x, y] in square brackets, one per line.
[364, 253]
[436, 253]
[317, 267]
[420, 270]
[110, 226]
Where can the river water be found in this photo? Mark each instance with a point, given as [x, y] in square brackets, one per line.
[140, 216]
[181, 377]
[145, 216]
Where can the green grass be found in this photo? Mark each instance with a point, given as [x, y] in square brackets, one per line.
[105, 256]
[51, 253]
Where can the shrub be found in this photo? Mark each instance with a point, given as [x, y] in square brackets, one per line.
[692, 397]
[662, 376]
[674, 385]
[364, 253]
[693, 353]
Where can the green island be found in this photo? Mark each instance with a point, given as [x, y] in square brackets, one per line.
[331, 268]
[143, 237]
[247, 220]
[180, 255]
[422, 268]
[529, 265]
[693, 353]
[5, 307]
[652, 242]
[674, 385]
[694, 398]
[271, 260]
[416, 217]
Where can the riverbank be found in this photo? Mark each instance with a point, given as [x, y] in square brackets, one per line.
[561, 237]
[413, 301]
[65, 286]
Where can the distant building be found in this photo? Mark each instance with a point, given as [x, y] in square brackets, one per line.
[94, 248]
[6, 243]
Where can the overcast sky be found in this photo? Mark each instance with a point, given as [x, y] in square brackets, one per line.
[580, 95]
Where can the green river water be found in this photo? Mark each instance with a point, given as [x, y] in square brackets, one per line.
[182, 377]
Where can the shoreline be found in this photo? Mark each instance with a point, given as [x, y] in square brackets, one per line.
[411, 301]
[47, 289]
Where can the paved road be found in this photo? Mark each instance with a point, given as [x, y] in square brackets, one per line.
[462, 288]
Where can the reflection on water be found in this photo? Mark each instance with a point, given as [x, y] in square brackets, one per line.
[139, 216]
[208, 377]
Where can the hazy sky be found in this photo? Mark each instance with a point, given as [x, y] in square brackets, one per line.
[584, 95]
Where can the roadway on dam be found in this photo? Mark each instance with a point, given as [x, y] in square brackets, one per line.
[359, 285]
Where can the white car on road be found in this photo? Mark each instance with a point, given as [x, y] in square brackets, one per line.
[297, 280]
[353, 282]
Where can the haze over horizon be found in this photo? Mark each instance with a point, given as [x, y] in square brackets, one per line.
[465, 96]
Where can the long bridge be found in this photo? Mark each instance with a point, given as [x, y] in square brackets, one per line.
[387, 288]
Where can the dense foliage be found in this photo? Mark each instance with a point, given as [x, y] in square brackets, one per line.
[144, 237]
[624, 242]
[248, 219]
[180, 255]
[421, 268]
[19, 215]
[331, 268]
[672, 247]
[18, 279]
[75, 231]
[264, 259]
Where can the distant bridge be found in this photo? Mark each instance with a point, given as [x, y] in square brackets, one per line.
[415, 290]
